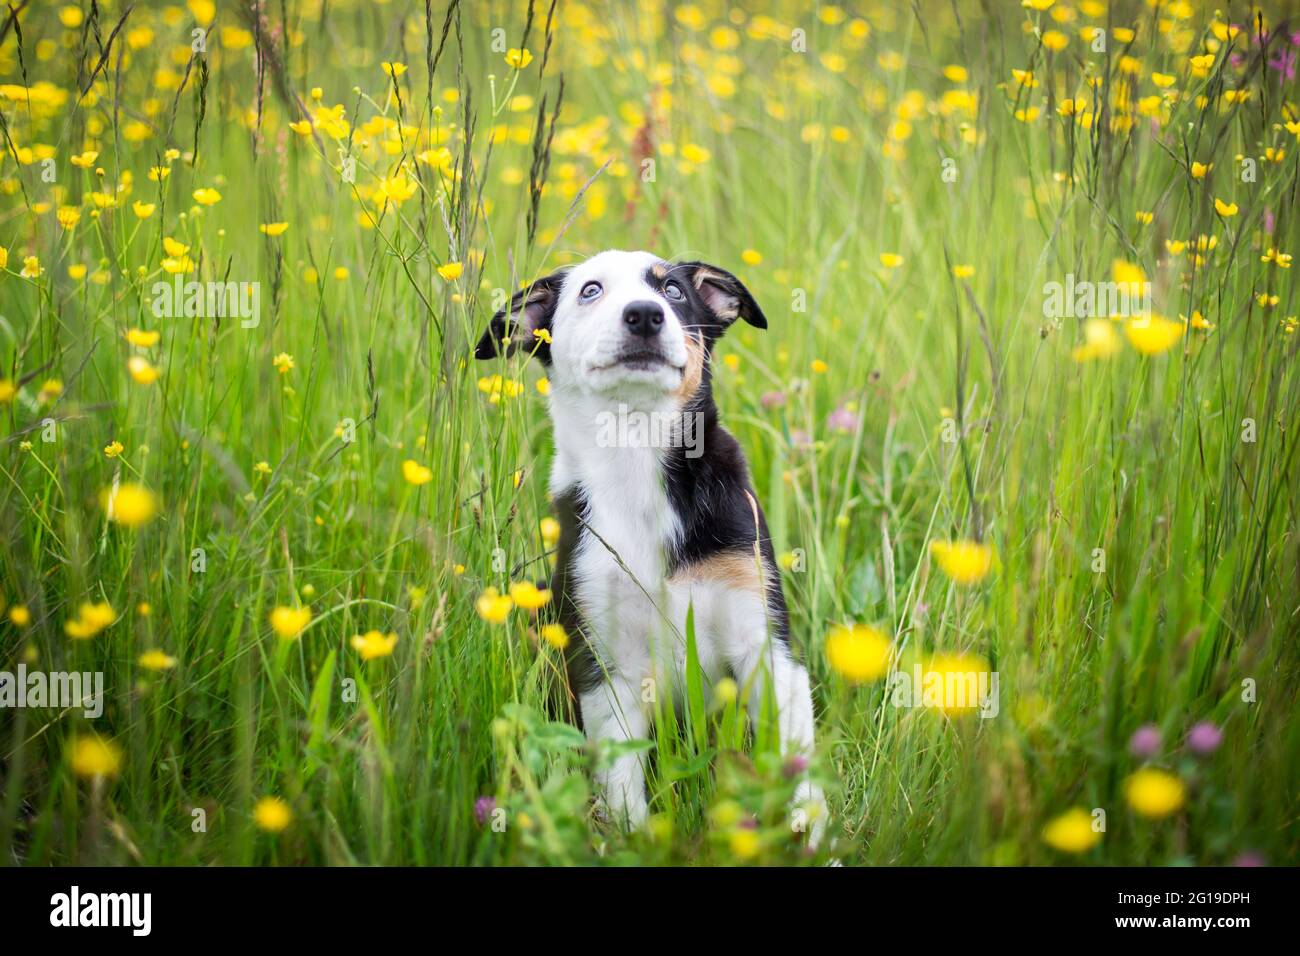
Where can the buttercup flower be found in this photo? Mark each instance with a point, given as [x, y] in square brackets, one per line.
[156, 661]
[858, 652]
[1154, 793]
[493, 606]
[1072, 832]
[555, 635]
[373, 644]
[416, 473]
[130, 505]
[966, 562]
[528, 596]
[90, 620]
[94, 756]
[289, 622]
[272, 814]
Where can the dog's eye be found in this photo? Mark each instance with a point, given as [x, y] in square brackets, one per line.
[674, 292]
[590, 292]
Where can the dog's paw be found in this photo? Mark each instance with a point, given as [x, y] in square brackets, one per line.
[809, 813]
[628, 814]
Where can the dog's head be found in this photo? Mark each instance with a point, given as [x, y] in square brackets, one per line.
[623, 324]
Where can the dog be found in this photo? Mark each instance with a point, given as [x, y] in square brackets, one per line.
[656, 509]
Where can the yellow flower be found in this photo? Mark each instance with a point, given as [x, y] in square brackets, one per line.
[1163, 80]
[113, 449]
[1154, 335]
[1144, 218]
[529, 596]
[272, 814]
[544, 386]
[207, 196]
[819, 366]
[273, 228]
[19, 616]
[31, 268]
[966, 562]
[90, 620]
[963, 271]
[95, 756]
[744, 843]
[694, 153]
[955, 73]
[143, 210]
[859, 653]
[7, 391]
[1100, 341]
[451, 271]
[1055, 40]
[143, 338]
[416, 473]
[550, 529]
[283, 363]
[4, 258]
[130, 504]
[751, 257]
[518, 59]
[393, 69]
[289, 622]
[1200, 169]
[555, 635]
[1225, 209]
[1154, 793]
[141, 371]
[1071, 832]
[173, 248]
[373, 644]
[68, 216]
[954, 673]
[891, 260]
[1282, 259]
[493, 606]
[156, 661]
[726, 691]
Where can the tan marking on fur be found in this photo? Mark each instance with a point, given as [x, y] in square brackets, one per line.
[734, 569]
[694, 372]
[719, 301]
[703, 275]
[660, 270]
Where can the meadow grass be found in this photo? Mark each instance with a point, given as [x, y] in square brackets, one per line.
[897, 222]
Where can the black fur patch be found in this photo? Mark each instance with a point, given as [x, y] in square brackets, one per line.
[531, 309]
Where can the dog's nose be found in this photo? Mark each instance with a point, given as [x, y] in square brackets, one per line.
[643, 318]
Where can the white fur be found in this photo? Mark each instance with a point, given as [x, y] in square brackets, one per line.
[635, 616]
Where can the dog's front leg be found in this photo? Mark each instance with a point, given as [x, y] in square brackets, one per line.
[613, 711]
[795, 726]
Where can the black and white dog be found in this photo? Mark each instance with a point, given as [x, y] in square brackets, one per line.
[654, 500]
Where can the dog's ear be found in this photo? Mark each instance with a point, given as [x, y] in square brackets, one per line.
[724, 294]
[530, 310]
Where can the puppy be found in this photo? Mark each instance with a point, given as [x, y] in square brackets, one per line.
[656, 509]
